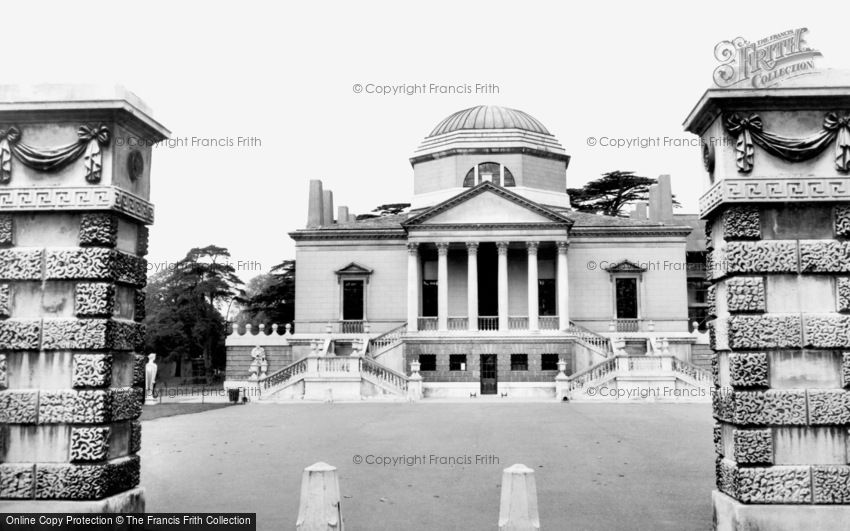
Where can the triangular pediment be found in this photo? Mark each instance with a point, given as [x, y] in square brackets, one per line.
[625, 266]
[354, 269]
[487, 204]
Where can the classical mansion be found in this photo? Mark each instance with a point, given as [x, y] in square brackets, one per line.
[491, 284]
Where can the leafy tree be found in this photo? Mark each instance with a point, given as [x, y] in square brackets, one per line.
[183, 319]
[611, 193]
[271, 297]
[389, 209]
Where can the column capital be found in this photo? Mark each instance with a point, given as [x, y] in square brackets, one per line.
[502, 247]
[412, 248]
[563, 246]
[442, 248]
[471, 247]
[532, 247]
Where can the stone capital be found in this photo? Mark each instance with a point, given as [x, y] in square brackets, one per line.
[472, 247]
[502, 247]
[563, 247]
[412, 248]
[532, 247]
[442, 248]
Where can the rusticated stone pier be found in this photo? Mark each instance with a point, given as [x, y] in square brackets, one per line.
[74, 188]
[778, 230]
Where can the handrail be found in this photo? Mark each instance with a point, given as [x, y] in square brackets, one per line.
[689, 369]
[580, 379]
[283, 375]
[396, 379]
[591, 339]
[383, 342]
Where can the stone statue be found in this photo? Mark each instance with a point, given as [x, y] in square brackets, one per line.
[150, 379]
[259, 364]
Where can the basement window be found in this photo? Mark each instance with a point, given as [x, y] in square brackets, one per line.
[427, 362]
[519, 362]
[549, 362]
[457, 362]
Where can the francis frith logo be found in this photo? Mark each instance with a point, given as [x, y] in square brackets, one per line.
[765, 62]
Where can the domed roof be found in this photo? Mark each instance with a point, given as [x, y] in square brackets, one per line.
[489, 117]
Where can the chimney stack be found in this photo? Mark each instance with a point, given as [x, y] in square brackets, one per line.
[639, 212]
[315, 209]
[665, 197]
[327, 208]
[654, 203]
[661, 200]
[342, 214]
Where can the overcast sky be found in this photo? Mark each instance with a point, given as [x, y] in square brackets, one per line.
[285, 74]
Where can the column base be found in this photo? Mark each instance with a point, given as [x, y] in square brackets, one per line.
[130, 501]
[732, 515]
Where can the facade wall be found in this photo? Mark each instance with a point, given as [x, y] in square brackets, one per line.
[473, 349]
[662, 290]
[545, 174]
[318, 300]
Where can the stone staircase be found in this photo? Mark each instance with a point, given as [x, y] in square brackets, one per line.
[627, 377]
[324, 376]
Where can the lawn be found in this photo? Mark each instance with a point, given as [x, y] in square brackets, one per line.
[597, 466]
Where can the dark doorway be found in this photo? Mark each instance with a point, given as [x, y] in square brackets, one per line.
[547, 293]
[429, 298]
[488, 281]
[627, 302]
[352, 300]
[488, 374]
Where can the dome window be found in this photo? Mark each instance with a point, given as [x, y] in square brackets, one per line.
[489, 171]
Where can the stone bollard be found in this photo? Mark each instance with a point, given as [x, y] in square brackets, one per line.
[319, 508]
[518, 506]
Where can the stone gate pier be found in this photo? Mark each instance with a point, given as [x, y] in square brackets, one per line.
[778, 231]
[74, 187]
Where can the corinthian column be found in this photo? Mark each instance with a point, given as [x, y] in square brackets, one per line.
[472, 285]
[502, 248]
[412, 287]
[563, 287]
[442, 286]
[533, 299]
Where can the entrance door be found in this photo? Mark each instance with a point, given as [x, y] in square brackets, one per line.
[488, 374]
[352, 300]
[488, 282]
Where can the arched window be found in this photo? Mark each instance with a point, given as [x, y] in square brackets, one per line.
[489, 171]
[469, 180]
[508, 179]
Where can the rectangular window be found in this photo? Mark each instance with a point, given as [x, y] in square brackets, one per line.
[549, 362]
[427, 362]
[457, 362]
[519, 362]
[626, 294]
[352, 300]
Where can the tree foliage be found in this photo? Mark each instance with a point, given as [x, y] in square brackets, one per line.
[271, 297]
[389, 209]
[611, 193]
[182, 309]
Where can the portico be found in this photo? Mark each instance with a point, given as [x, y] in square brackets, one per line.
[504, 289]
[487, 260]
